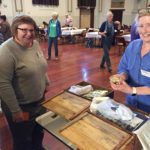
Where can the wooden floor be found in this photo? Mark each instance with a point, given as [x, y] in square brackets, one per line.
[76, 64]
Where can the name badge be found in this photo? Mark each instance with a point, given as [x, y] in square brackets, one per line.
[145, 73]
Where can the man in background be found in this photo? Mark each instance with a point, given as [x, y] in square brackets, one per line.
[5, 27]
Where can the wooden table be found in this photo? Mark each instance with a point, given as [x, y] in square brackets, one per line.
[127, 37]
[71, 35]
[93, 36]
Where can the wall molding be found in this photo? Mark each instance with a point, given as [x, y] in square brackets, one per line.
[69, 5]
[100, 5]
[18, 5]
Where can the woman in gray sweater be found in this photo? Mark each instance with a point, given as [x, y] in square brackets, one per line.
[23, 82]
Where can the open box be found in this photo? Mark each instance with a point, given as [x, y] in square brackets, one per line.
[52, 123]
[63, 108]
[136, 117]
[70, 121]
[110, 93]
[67, 105]
[89, 132]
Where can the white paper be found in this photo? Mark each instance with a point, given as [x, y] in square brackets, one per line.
[143, 134]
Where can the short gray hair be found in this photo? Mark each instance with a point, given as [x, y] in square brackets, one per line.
[109, 13]
[54, 14]
[142, 12]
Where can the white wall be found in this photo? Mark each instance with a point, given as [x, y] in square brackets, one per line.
[6, 8]
[128, 13]
[131, 9]
[75, 12]
[43, 13]
[100, 14]
[40, 13]
[106, 5]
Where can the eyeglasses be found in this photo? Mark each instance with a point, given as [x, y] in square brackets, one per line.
[26, 30]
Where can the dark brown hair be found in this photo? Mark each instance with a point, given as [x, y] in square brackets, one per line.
[3, 17]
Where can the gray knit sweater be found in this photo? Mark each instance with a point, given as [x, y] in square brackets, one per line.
[22, 74]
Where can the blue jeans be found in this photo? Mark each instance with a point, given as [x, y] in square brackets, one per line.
[50, 41]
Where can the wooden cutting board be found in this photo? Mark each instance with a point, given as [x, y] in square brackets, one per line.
[67, 105]
[92, 133]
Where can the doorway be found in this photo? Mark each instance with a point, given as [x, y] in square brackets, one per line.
[86, 17]
[118, 14]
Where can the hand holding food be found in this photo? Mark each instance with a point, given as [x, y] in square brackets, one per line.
[115, 79]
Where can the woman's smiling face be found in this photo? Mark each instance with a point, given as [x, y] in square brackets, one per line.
[25, 35]
[144, 28]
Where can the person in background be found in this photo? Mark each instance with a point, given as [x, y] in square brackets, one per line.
[23, 82]
[45, 27]
[1, 38]
[68, 21]
[134, 32]
[107, 32]
[1, 41]
[45, 24]
[42, 31]
[117, 27]
[54, 32]
[5, 28]
[134, 67]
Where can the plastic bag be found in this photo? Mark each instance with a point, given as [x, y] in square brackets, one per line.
[111, 109]
[80, 90]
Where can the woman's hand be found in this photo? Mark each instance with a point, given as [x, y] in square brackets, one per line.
[122, 87]
[20, 116]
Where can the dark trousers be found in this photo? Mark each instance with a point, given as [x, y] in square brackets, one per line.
[106, 44]
[27, 135]
[50, 41]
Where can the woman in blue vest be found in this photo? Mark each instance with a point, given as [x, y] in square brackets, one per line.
[54, 32]
[107, 32]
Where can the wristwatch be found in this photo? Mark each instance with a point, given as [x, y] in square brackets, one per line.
[134, 92]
